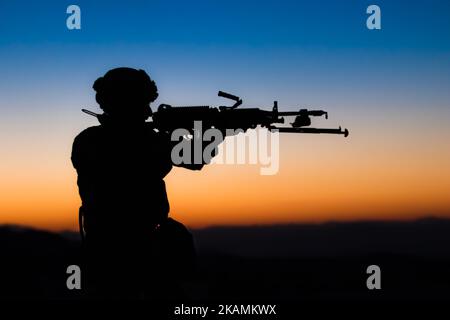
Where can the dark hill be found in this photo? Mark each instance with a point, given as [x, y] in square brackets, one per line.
[285, 262]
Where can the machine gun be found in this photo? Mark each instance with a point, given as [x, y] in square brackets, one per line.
[229, 118]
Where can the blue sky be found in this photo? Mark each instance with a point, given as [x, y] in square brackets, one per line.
[317, 54]
[302, 53]
[243, 45]
[329, 24]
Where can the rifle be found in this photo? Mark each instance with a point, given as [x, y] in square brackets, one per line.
[229, 118]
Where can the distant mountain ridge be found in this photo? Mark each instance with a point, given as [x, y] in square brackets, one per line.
[297, 262]
[424, 237]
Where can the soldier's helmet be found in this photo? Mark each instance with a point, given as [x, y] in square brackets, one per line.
[126, 93]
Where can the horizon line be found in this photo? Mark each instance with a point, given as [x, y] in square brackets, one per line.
[256, 225]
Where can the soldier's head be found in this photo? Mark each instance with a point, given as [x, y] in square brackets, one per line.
[126, 94]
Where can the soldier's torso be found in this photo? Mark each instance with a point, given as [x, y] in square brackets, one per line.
[120, 176]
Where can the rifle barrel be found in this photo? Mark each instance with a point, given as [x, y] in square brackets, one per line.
[313, 130]
[314, 113]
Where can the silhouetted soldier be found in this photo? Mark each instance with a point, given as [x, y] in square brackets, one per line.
[130, 241]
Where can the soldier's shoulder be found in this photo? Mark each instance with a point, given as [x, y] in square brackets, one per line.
[90, 131]
[90, 134]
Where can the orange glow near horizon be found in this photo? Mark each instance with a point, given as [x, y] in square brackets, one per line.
[320, 178]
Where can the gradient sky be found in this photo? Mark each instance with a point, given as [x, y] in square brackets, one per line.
[389, 87]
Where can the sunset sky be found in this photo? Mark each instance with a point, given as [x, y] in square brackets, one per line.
[389, 87]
